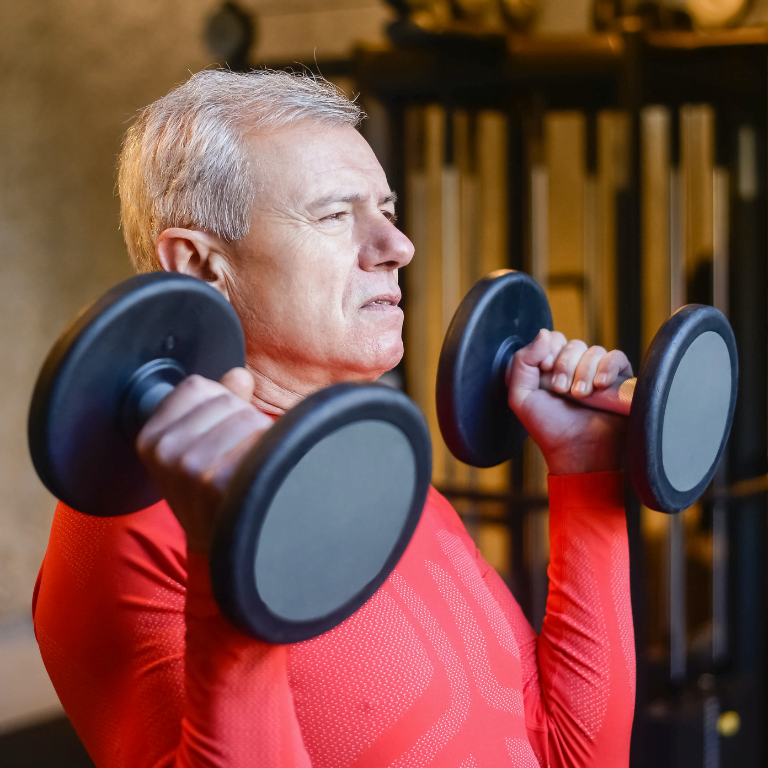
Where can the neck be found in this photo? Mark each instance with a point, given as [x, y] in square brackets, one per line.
[272, 398]
[277, 389]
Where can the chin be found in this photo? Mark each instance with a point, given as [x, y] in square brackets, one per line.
[374, 359]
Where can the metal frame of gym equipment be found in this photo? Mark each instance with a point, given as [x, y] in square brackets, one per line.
[677, 706]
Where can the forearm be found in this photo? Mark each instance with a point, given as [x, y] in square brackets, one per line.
[586, 647]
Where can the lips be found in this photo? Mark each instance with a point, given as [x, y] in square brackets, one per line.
[384, 300]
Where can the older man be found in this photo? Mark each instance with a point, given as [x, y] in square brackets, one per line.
[260, 185]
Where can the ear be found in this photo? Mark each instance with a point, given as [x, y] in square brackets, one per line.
[194, 253]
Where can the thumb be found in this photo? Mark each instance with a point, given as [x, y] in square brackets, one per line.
[240, 382]
[524, 372]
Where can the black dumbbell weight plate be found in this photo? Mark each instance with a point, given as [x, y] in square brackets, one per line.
[682, 408]
[81, 446]
[502, 313]
[318, 515]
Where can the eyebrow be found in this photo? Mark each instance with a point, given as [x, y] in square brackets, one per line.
[336, 197]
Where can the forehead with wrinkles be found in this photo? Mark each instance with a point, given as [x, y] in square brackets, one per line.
[315, 166]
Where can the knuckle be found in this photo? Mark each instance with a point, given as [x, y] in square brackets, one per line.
[236, 418]
[195, 383]
[542, 338]
[165, 449]
[567, 352]
[223, 399]
[219, 403]
[191, 464]
[147, 437]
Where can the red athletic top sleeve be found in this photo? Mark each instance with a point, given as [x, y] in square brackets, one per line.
[439, 668]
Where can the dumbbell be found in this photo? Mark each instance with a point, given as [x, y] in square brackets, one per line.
[316, 515]
[680, 406]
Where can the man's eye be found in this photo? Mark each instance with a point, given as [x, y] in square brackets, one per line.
[335, 216]
[390, 215]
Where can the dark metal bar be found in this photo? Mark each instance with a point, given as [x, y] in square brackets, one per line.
[747, 455]
[629, 293]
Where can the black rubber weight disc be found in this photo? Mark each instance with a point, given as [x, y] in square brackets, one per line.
[502, 313]
[76, 439]
[682, 408]
[320, 512]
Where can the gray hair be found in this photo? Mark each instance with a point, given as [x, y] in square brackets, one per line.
[184, 162]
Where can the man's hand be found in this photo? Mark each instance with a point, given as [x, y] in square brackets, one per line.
[194, 442]
[573, 438]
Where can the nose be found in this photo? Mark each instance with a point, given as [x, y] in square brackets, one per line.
[384, 246]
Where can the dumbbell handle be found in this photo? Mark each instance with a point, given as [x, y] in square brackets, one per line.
[144, 391]
[615, 399]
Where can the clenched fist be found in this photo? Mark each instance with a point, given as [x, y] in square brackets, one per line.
[193, 443]
[572, 438]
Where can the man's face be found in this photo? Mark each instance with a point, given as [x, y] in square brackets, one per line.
[316, 278]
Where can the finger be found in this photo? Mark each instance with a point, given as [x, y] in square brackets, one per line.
[565, 364]
[239, 381]
[613, 365]
[207, 452]
[557, 341]
[523, 372]
[190, 434]
[221, 471]
[585, 371]
[185, 397]
[546, 345]
[176, 434]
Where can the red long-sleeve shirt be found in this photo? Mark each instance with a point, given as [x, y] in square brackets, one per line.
[439, 668]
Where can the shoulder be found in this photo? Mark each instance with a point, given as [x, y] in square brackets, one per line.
[439, 510]
[439, 519]
[101, 568]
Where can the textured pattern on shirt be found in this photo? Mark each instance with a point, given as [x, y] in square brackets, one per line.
[623, 601]
[439, 668]
[498, 696]
[346, 698]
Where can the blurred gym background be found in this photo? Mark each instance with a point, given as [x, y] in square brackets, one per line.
[614, 149]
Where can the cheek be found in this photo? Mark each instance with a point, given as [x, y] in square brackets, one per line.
[302, 297]
[320, 268]
[301, 281]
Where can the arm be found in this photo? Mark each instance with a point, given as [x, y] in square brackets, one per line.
[112, 607]
[586, 648]
[579, 675]
[145, 665]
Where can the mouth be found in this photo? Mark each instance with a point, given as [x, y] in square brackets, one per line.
[383, 302]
